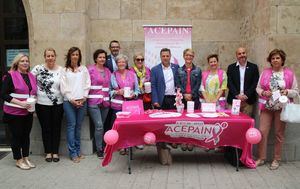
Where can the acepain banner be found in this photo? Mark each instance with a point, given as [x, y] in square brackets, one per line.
[176, 38]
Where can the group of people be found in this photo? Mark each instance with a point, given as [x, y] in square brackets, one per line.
[99, 88]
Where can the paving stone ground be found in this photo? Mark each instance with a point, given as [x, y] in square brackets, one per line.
[197, 169]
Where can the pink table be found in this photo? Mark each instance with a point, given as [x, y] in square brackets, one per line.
[203, 132]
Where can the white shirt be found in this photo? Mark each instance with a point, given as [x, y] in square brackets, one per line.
[169, 80]
[75, 85]
[48, 84]
[242, 75]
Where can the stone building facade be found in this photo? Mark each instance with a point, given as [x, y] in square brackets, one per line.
[219, 26]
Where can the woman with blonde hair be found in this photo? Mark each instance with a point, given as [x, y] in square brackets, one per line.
[143, 75]
[49, 108]
[188, 80]
[19, 85]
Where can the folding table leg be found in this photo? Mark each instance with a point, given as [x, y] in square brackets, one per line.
[131, 153]
[237, 159]
[129, 159]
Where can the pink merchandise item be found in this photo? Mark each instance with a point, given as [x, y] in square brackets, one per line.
[133, 106]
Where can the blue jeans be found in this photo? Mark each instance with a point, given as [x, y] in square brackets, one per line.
[75, 118]
[98, 115]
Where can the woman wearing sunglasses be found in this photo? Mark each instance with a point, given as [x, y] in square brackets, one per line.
[143, 75]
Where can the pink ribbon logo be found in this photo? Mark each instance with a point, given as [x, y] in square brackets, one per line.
[218, 129]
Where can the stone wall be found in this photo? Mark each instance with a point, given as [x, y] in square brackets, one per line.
[219, 26]
[60, 24]
[91, 24]
[270, 24]
[208, 18]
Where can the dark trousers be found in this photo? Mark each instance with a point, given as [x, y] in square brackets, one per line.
[108, 123]
[168, 102]
[50, 118]
[20, 127]
[113, 116]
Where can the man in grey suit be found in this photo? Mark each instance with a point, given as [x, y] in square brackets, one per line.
[163, 82]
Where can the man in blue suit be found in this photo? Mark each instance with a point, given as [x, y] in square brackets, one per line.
[163, 88]
[114, 47]
[163, 82]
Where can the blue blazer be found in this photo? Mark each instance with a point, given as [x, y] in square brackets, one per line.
[158, 85]
[109, 63]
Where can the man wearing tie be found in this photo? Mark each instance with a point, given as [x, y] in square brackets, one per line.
[242, 80]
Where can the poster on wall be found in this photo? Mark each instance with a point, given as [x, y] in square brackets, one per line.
[11, 53]
[175, 37]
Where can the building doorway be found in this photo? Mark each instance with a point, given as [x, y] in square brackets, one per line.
[13, 39]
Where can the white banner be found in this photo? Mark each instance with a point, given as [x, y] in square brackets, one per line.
[176, 38]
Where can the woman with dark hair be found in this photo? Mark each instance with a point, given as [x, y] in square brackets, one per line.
[75, 85]
[214, 83]
[98, 99]
[49, 107]
[19, 85]
[276, 79]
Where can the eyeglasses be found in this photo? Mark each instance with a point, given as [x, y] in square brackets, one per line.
[140, 59]
[115, 47]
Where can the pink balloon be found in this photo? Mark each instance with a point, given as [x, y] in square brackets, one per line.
[149, 138]
[253, 136]
[111, 137]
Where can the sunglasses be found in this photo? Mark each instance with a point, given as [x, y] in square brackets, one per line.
[140, 59]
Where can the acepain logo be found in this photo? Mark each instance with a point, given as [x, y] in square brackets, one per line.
[196, 130]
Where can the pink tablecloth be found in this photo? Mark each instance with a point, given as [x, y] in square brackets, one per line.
[203, 132]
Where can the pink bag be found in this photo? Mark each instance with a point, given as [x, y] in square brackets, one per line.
[133, 106]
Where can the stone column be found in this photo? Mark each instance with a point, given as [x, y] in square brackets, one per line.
[60, 25]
